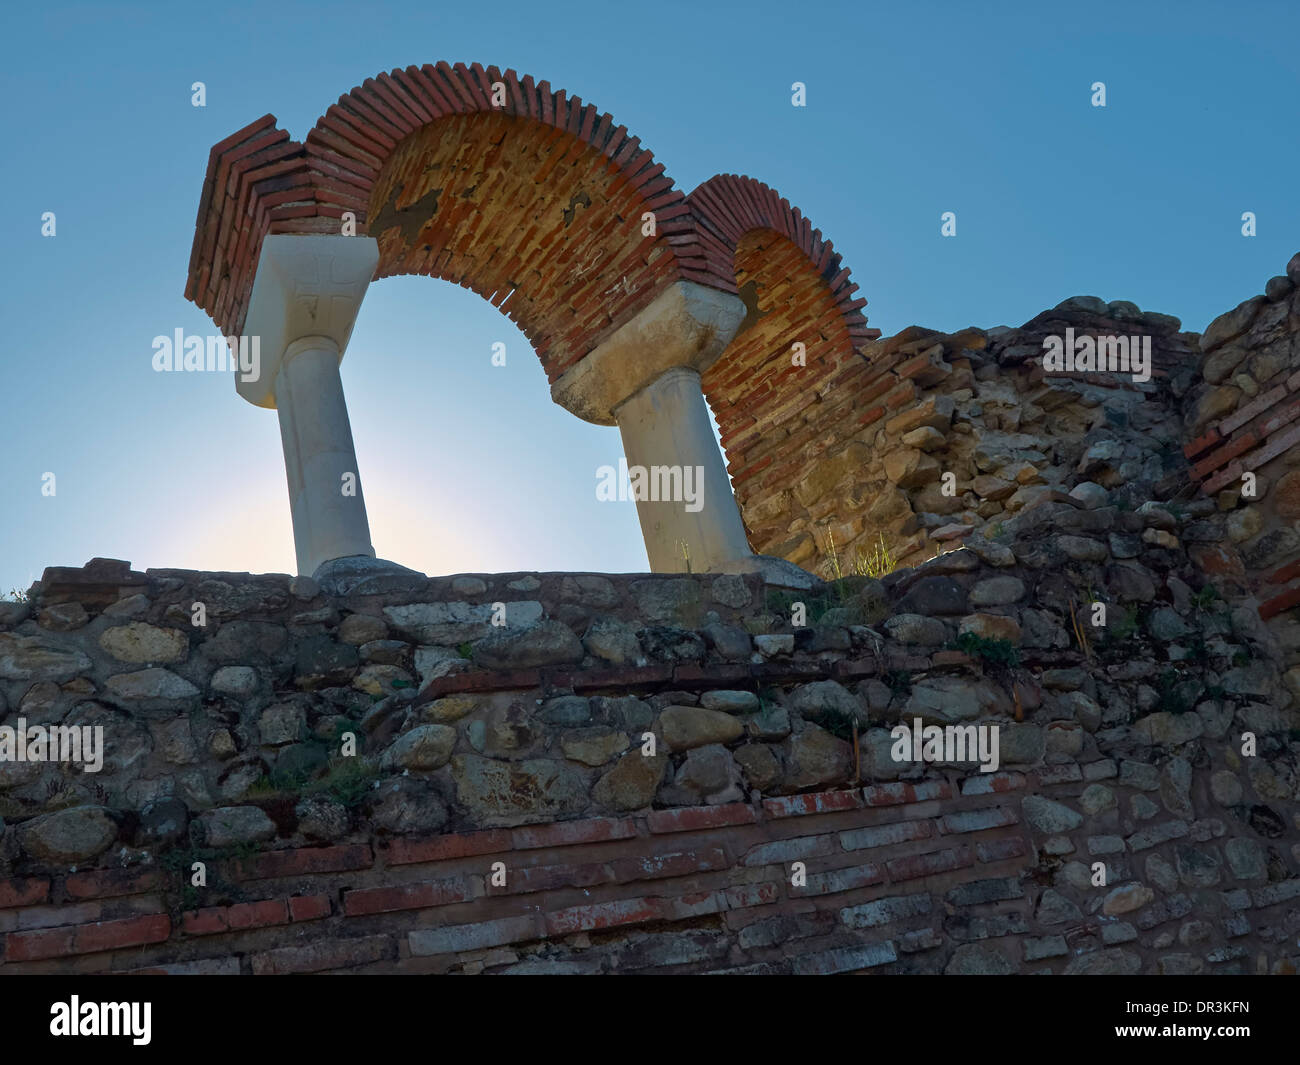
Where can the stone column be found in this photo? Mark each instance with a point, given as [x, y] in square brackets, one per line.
[329, 511]
[645, 378]
[305, 299]
[670, 449]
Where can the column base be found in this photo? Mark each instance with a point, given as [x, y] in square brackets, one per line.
[365, 575]
[775, 571]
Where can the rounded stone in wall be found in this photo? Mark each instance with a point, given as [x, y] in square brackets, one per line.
[322, 821]
[71, 835]
[730, 590]
[230, 826]
[1286, 496]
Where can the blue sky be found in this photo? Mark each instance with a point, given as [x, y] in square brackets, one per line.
[913, 109]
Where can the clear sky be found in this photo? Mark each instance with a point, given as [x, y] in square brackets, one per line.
[913, 109]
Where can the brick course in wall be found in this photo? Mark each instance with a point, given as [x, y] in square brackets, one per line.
[892, 877]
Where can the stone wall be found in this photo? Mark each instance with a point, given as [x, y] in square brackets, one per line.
[500, 813]
[1242, 425]
[843, 468]
[850, 465]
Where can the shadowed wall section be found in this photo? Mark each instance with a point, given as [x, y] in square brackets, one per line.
[774, 413]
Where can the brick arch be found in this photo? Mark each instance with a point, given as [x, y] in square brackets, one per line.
[797, 289]
[536, 204]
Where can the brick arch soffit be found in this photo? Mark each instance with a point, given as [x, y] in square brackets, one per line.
[373, 152]
[796, 289]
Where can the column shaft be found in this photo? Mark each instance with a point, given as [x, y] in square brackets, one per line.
[669, 444]
[328, 522]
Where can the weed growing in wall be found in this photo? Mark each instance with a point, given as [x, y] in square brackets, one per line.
[1000, 654]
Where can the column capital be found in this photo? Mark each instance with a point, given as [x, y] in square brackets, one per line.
[315, 342]
[686, 325]
[305, 286]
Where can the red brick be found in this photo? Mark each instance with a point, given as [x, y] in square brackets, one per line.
[932, 789]
[205, 922]
[406, 851]
[854, 668]
[697, 904]
[257, 914]
[202, 967]
[1242, 442]
[885, 835]
[845, 959]
[26, 892]
[1277, 444]
[696, 818]
[989, 783]
[1215, 560]
[1235, 421]
[34, 946]
[309, 907]
[681, 863]
[87, 938]
[813, 803]
[714, 676]
[324, 954]
[627, 677]
[1201, 443]
[1289, 572]
[901, 659]
[1223, 478]
[54, 916]
[871, 414]
[604, 915]
[836, 880]
[797, 849]
[912, 367]
[899, 792]
[454, 939]
[104, 883]
[235, 918]
[919, 865]
[779, 672]
[306, 861]
[567, 833]
[365, 901]
[996, 850]
[746, 895]
[482, 681]
[979, 820]
[1285, 601]
[552, 877]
